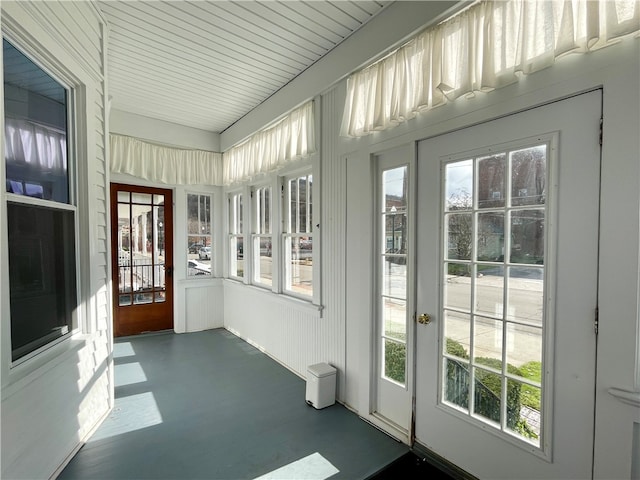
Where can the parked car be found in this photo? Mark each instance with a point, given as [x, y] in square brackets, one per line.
[197, 268]
[195, 247]
[205, 253]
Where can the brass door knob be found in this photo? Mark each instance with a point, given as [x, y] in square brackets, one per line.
[424, 319]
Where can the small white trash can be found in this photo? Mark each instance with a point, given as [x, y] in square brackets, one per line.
[321, 385]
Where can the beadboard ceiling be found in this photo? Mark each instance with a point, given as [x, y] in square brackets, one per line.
[206, 64]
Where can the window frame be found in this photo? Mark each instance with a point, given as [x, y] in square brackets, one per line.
[258, 233]
[287, 234]
[236, 227]
[210, 235]
[76, 141]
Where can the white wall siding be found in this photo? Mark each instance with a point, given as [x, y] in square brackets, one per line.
[52, 402]
[332, 229]
[203, 307]
[290, 331]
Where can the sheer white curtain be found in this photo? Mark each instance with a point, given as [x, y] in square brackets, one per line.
[268, 150]
[487, 46]
[34, 145]
[168, 165]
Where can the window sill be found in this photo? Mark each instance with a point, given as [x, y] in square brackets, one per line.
[21, 374]
[299, 303]
[200, 280]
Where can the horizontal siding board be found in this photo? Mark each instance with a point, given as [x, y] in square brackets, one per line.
[90, 53]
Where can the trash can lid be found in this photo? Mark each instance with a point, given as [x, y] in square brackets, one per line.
[321, 369]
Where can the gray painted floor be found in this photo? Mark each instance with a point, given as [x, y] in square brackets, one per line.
[208, 405]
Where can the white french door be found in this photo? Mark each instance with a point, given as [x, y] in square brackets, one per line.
[507, 257]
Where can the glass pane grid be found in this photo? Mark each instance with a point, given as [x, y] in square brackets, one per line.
[494, 218]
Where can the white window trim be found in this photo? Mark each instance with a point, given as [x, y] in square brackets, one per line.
[231, 234]
[78, 108]
[285, 203]
[213, 263]
[255, 228]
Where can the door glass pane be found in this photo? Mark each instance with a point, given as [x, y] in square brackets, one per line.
[395, 318]
[489, 283]
[124, 251]
[524, 347]
[527, 237]
[528, 176]
[143, 297]
[456, 383]
[487, 340]
[487, 389]
[142, 198]
[158, 248]
[459, 185]
[457, 334]
[529, 421]
[491, 181]
[490, 240]
[457, 286]
[394, 185]
[394, 277]
[459, 236]
[525, 296]
[395, 360]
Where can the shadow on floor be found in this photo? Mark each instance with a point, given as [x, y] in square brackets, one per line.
[410, 466]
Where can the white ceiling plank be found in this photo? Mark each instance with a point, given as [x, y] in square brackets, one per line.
[360, 14]
[255, 39]
[205, 59]
[158, 17]
[261, 26]
[207, 63]
[201, 78]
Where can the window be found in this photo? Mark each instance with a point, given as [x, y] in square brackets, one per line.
[298, 236]
[199, 243]
[262, 239]
[41, 209]
[236, 239]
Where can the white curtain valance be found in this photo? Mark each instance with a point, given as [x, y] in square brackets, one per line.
[268, 150]
[34, 145]
[487, 46]
[168, 165]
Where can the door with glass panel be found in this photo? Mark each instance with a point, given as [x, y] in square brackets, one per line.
[142, 259]
[507, 281]
[393, 372]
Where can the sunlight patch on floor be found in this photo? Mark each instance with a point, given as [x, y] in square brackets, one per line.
[128, 374]
[129, 414]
